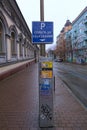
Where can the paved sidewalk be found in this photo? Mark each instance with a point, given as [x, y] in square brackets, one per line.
[69, 113]
[19, 104]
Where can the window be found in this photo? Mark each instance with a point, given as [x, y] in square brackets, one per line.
[1, 39]
[20, 46]
[13, 43]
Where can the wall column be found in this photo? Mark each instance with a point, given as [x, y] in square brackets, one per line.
[8, 49]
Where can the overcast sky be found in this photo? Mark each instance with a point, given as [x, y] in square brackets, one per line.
[57, 11]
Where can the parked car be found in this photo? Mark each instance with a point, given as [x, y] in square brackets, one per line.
[58, 60]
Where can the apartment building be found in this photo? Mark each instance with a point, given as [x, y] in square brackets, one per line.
[76, 39]
[61, 41]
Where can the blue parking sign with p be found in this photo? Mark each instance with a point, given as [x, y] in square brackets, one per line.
[42, 32]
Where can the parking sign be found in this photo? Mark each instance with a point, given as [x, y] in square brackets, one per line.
[42, 32]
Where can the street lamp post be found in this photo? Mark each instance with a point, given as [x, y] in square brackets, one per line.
[42, 46]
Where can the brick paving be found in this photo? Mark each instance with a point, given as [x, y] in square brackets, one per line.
[69, 113]
[19, 104]
[19, 101]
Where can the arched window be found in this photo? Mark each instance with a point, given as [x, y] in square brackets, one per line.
[1, 38]
[13, 43]
[25, 47]
[20, 47]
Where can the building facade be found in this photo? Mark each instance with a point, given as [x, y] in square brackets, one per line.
[79, 37]
[69, 52]
[15, 35]
[73, 39]
[61, 41]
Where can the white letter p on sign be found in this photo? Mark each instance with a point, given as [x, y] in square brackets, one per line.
[42, 25]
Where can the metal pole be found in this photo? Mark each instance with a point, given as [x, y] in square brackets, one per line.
[41, 10]
[42, 47]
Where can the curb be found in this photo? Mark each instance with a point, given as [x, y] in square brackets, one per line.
[14, 70]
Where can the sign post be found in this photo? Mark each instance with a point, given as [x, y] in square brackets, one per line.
[46, 86]
[42, 33]
[42, 47]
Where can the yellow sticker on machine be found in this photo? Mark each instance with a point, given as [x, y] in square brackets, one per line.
[46, 74]
[47, 64]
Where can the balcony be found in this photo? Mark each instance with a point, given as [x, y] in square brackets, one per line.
[85, 38]
[85, 21]
[85, 30]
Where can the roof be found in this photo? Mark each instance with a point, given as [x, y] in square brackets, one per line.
[84, 10]
[68, 23]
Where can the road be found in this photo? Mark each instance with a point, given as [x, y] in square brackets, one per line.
[75, 77]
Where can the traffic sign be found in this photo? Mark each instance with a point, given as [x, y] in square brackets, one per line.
[42, 32]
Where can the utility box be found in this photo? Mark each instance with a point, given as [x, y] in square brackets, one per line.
[46, 87]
